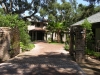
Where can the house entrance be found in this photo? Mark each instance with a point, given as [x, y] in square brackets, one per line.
[36, 35]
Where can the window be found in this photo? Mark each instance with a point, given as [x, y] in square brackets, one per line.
[38, 24]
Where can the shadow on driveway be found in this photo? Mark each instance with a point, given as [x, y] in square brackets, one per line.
[52, 63]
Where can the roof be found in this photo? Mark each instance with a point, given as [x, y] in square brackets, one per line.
[92, 19]
[37, 18]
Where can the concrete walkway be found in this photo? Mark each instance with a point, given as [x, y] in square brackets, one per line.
[44, 59]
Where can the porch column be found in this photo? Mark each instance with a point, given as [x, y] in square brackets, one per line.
[36, 35]
[45, 36]
[65, 36]
[32, 36]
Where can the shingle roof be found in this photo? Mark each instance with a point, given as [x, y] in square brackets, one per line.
[92, 19]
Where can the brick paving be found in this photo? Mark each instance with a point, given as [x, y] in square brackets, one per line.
[44, 59]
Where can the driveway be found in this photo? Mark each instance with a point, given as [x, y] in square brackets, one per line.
[44, 59]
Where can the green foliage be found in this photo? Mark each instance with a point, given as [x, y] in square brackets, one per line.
[52, 17]
[49, 40]
[89, 52]
[89, 40]
[26, 47]
[50, 26]
[14, 21]
[89, 33]
[55, 26]
[92, 53]
[87, 25]
[93, 1]
[1, 11]
[59, 26]
[42, 12]
[66, 47]
[97, 9]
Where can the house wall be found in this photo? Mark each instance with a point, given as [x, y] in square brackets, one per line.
[35, 26]
[42, 27]
[55, 36]
[97, 34]
[64, 37]
[96, 28]
[49, 36]
[37, 31]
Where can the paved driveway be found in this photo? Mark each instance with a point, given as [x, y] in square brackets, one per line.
[44, 59]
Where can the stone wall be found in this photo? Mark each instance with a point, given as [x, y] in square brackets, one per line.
[5, 43]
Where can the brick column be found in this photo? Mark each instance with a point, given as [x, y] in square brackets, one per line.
[79, 44]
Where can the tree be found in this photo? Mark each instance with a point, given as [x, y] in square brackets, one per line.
[97, 9]
[57, 14]
[59, 28]
[73, 11]
[85, 11]
[19, 31]
[20, 6]
[64, 11]
[50, 27]
[92, 1]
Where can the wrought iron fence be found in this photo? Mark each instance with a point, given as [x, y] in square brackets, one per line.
[97, 50]
[94, 52]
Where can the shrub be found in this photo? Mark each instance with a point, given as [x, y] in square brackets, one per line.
[26, 48]
[89, 34]
[92, 53]
[66, 47]
[14, 21]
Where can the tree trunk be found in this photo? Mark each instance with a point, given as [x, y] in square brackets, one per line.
[61, 39]
[58, 36]
[52, 37]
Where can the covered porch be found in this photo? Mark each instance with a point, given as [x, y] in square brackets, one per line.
[37, 35]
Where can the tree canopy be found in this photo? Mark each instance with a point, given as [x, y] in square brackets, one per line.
[70, 12]
[92, 1]
[20, 6]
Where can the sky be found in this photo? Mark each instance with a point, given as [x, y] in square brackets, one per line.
[78, 1]
[83, 2]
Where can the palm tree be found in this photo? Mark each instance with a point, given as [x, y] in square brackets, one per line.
[50, 27]
[58, 26]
